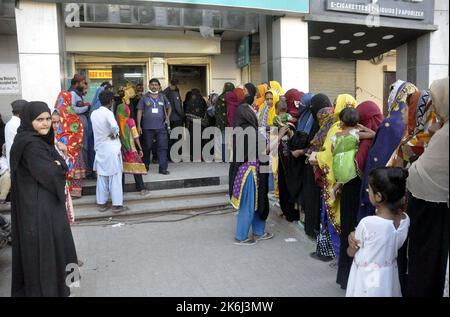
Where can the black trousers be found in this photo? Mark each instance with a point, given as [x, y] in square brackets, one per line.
[349, 214]
[427, 249]
[139, 182]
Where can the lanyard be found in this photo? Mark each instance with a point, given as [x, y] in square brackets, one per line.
[155, 103]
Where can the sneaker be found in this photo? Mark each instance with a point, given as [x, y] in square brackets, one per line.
[144, 192]
[245, 242]
[118, 209]
[164, 172]
[103, 208]
[321, 257]
[265, 236]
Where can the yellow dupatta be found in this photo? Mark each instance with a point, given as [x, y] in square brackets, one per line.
[325, 161]
[259, 101]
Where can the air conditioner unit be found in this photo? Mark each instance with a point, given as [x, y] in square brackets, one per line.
[97, 13]
[234, 20]
[212, 19]
[192, 17]
[144, 14]
[173, 16]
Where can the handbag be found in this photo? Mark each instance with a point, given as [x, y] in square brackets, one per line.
[299, 141]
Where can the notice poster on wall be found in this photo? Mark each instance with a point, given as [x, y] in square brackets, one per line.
[9, 79]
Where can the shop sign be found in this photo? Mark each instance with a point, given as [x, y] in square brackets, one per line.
[411, 9]
[100, 74]
[243, 55]
[9, 79]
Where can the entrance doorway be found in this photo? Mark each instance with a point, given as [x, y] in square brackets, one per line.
[117, 75]
[189, 77]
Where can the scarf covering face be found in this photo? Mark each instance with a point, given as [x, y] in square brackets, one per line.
[233, 99]
[306, 121]
[250, 99]
[325, 161]
[261, 96]
[292, 96]
[429, 175]
[26, 133]
[319, 102]
[385, 142]
[371, 117]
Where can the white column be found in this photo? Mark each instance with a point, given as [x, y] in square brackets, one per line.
[438, 62]
[290, 53]
[39, 51]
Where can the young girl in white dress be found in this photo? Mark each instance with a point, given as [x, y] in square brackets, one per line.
[377, 239]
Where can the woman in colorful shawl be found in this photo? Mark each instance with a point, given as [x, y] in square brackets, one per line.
[387, 140]
[293, 98]
[324, 248]
[129, 137]
[260, 96]
[370, 118]
[244, 178]
[71, 135]
[325, 161]
[428, 209]
[417, 135]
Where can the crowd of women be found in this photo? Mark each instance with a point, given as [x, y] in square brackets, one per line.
[341, 166]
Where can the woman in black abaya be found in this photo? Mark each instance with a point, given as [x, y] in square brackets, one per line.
[42, 245]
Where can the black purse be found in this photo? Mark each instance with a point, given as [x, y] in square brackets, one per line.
[299, 141]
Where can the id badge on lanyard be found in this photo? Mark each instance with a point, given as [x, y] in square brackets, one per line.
[155, 109]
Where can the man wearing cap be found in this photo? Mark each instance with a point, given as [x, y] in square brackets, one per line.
[13, 124]
[154, 112]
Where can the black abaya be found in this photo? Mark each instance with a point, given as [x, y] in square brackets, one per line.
[42, 244]
[312, 204]
[428, 248]
[349, 213]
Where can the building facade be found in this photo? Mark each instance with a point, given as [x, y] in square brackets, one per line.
[330, 46]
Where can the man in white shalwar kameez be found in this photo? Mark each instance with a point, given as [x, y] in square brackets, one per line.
[108, 157]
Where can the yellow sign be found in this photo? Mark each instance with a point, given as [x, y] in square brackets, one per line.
[100, 74]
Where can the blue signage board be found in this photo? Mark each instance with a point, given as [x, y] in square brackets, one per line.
[295, 6]
[275, 6]
[243, 55]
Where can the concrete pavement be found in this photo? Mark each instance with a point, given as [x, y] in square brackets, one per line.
[191, 258]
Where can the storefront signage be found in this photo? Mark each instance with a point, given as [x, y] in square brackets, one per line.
[279, 6]
[243, 56]
[9, 79]
[100, 74]
[412, 9]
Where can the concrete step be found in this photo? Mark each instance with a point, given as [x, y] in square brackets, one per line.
[182, 175]
[164, 205]
[197, 192]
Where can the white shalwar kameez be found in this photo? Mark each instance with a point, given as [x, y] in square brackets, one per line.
[108, 157]
[374, 271]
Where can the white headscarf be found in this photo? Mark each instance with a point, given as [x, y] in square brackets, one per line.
[428, 176]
